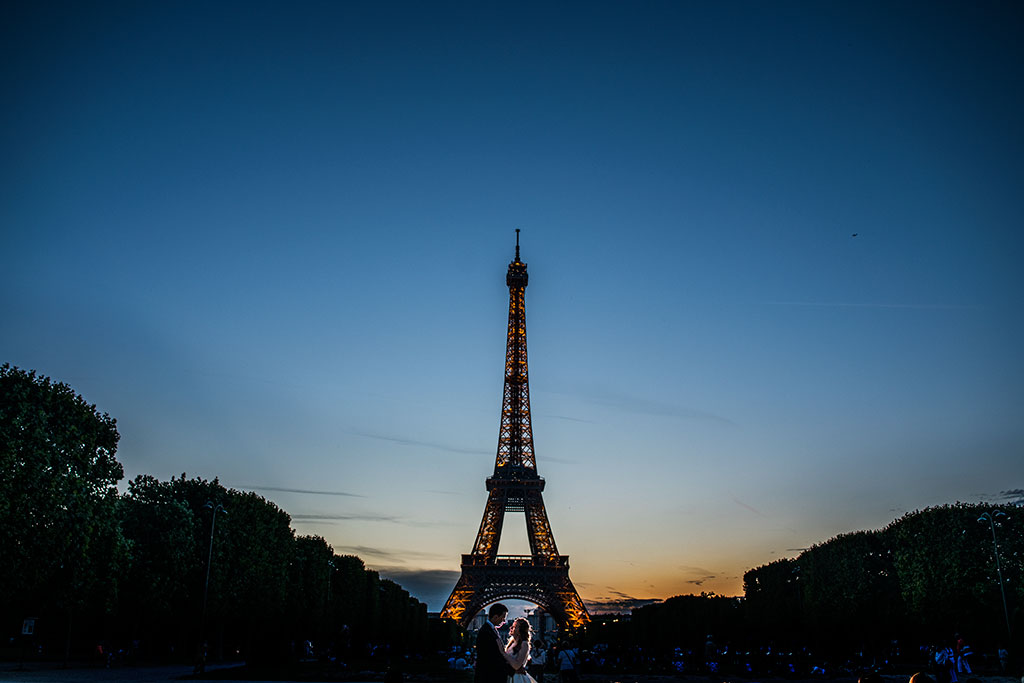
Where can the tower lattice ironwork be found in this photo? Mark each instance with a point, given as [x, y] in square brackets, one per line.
[542, 576]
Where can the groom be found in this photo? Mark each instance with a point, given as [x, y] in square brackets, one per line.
[491, 666]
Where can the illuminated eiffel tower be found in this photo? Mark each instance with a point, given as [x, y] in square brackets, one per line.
[542, 577]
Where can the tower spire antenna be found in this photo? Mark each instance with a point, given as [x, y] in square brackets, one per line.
[517, 244]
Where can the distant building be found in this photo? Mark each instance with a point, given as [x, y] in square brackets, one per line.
[476, 622]
[543, 625]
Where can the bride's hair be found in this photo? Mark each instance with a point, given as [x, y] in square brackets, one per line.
[520, 627]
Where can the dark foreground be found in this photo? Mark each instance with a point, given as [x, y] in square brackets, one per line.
[41, 673]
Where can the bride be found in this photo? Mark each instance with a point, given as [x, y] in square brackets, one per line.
[517, 651]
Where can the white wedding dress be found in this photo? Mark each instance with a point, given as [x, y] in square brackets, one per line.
[520, 660]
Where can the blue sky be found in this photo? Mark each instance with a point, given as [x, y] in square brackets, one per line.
[271, 239]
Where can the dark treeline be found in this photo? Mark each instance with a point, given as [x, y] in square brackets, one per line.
[128, 572]
[927, 576]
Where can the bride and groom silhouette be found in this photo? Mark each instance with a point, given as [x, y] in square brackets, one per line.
[502, 663]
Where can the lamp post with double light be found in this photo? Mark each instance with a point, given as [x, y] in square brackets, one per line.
[201, 664]
[991, 518]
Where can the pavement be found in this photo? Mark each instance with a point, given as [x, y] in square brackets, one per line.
[42, 673]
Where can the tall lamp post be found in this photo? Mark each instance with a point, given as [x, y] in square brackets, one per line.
[201, 665]
[991, 518]
[330, 575]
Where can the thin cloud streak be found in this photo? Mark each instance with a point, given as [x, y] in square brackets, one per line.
[348, 517]
[441, 577]
[701, 580]
[400, 556]
[695, 570]
[645, 406]
[560, 461]
[744, 505]
[304, 491]
[617, 602]
[1013, 496]
[703, 574]
[416, 442]
[841, 304]
[316, 521]
[571, 419]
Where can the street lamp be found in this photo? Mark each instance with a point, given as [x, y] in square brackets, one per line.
[206, 587]
[330, 575]
[991, 518]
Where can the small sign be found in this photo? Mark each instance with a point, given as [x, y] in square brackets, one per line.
[28, 627]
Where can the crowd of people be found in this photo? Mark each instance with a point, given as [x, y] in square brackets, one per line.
[521, 658]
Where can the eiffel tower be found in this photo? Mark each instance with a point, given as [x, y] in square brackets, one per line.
[542, 577]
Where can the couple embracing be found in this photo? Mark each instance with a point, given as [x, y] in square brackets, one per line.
[502, 663]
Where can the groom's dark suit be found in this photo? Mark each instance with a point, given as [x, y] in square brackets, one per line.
[491, 666]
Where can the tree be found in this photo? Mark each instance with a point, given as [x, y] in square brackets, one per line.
[158, 592]
[309, 588]
[928, 574]
[684, 621]
[946, 569]
[851, 594]
[257, 545]
[58, 474]
[773, 598]
[169, 525]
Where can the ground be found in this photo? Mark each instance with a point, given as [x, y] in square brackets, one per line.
[41, 673]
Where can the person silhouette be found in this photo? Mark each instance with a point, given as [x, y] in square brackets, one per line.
[517, 651]
[491, 666]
